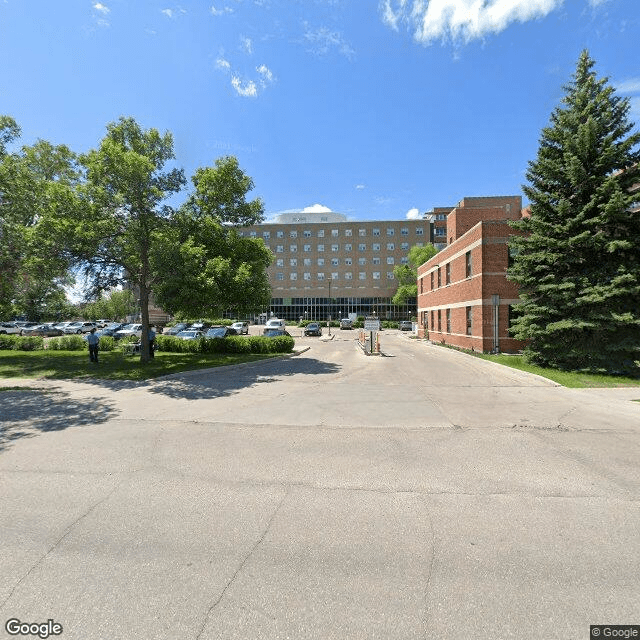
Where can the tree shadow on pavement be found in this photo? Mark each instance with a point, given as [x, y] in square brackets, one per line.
[24, 413]
[216, 383]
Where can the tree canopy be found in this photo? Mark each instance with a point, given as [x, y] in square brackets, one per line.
[407, 274]
[578, 266]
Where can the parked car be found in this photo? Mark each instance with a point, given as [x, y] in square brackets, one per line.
[175, 330]
[313, 329]
[63, 325]
[241, 328]
[45, 330]
[8, 328]
[189, 334]
[274, 323]
[220, 332]
[274, 333]
[22, 325]
[102, 323]
[346, 323]
[199, 326]
[110, 329]
[79, 327]
[405, 325]
[128, 330]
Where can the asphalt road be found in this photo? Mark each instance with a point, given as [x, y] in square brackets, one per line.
[421, 494]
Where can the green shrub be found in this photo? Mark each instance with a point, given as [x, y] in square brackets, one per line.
[68, 343]
[281, 344]
[107, 343]
[7, 341]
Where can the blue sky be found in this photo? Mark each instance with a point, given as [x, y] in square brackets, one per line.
[378, 110]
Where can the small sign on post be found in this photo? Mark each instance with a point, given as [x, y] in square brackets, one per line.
[372, 323]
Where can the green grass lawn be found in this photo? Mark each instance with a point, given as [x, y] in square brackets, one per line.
[113, 365]
[565, 378]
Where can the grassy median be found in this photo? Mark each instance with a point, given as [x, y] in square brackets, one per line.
[113, 365]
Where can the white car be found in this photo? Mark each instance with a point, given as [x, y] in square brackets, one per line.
[9, 328]
[129, 330]
[275, 323]
[80, 327]
[241, 327]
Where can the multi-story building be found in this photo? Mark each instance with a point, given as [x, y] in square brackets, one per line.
[464, 297]
[327, 266]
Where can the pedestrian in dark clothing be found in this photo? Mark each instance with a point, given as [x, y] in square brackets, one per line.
[93, 341]
[152, 342]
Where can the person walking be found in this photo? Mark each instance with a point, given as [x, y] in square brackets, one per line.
[93, 341]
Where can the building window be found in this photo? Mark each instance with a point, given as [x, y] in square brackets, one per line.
[280, 262]
[334, 233]
[362, 232]
[441, 231]
[441, 216]
[421, 285]
[320, 276]
[348, 275]
[307, 233]
[321, 262]
[362, 261]
[293, 234]
[376, 275]
[390, 231]
[375, 260]
[279, 248]
[404, 246]
[448, 320]
[348, 247]
[432, 319]
[334, 275]
[320, 247]
[432, 286]
[375, 246]
[320, 233]
[448, 273]
[376, 232]
[293, 262]
[404, 260]
[335, 262]
[419, 231]
[307, 248]
[335, 248]
[439, 278]
[293, 248]
[348, 233]
[307, 275]
[390, 275]
[293, 276]
[266, 235]
[362, 275]
[391, 246]
[469, 321]
[348, 261]
[404, 231]
[324, 219]
[280, 234]
[362, 247]
[307, 262]
[440, 320]
[390, 260]
[279, 276]
[469, 264]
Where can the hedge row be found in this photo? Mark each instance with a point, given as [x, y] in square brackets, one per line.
[231, 344]
[63, 343]
[21, 343]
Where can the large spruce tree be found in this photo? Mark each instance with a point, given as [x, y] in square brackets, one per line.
[578, 264]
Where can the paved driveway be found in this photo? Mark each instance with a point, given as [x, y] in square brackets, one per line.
[423, 494]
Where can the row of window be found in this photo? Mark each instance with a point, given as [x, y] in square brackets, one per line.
[335, 248]
[436, 276]
[320, 233]
[436, 320]
[362, 275]
[335, 262]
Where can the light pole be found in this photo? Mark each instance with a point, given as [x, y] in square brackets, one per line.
[329, 322]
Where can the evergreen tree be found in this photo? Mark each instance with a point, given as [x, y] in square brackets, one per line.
[578, 264]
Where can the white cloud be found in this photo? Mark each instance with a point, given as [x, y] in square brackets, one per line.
[629, 86]
[101, 8]
[413, 214]
[167, 12]
[247, 45]
[634, 112]
[173, 13]
[244, 89]
[359, 187]
[597, 3]
[221, 63]
[466, 20]
[220, 12]
[316, 208]
[321, 41]
[266, 73]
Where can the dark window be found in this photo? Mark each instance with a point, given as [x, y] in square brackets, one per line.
[432, 281]
[469, 321]
[448, 273]
[448, 320]
[439, 278]
[439, 320]
[469, 264]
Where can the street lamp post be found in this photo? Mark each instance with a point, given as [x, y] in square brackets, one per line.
[329, 322]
